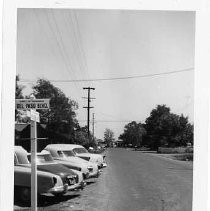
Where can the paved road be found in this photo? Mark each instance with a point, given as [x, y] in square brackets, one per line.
[133, 181]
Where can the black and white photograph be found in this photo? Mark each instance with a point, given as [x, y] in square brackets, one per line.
[104, 110]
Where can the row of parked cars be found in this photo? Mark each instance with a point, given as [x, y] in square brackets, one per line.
[60, 168]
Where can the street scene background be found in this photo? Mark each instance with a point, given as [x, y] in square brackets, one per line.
[122, 81]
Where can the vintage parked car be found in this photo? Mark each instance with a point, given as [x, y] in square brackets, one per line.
[62, 154]
[81, 152]
[62, 177]
[46, 183]
[77, 183]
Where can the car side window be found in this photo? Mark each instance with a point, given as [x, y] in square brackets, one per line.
[60, 153]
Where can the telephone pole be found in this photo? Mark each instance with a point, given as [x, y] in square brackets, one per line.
[93, 126]
[88, 108]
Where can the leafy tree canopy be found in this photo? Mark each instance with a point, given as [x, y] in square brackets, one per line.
[19, 89]
[133, 133]
[19, 115]
[167, 129]
[81, 137]
[61, 118]
[108, 136]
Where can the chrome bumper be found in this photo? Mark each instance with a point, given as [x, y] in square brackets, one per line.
[104, 165]
[94, 175]
[59, 189]
[77, 186]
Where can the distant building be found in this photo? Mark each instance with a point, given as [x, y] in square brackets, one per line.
[101, 143]
[119, 143]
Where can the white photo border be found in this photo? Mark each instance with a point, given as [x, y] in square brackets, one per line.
[201, 199]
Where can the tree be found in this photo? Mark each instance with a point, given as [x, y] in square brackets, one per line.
[81, 137]
[19, 89]
[108, 136]
[19, 115]
[133, 133]
[61, 118]
[167, 129]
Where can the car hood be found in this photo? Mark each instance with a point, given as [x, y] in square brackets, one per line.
[57, 169]
[74, 160]
[75, 163]
[93, 157]
[53, 168]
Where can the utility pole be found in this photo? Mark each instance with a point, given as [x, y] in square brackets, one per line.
[93, 126]
[88, 108]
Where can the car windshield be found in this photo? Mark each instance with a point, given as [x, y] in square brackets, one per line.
[80, 150]
[47, 158]
[66, 154]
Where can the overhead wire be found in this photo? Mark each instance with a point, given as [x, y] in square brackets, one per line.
[80, 42]
[59, 41]
[76, 47]
[73, 44]
[114, 121]
[64, 49]
[119, 78]
[111, 116]
[82, 61]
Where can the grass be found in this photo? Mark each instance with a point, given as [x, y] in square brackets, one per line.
[184, 157]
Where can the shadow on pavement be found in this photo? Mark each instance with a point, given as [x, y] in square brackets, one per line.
[90, 182]
[46, 200]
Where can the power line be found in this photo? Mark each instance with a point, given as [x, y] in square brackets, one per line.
[40, 23]
[74, 46]
[114, 121]
[60, 43]
[78, 39]
[93, 130]
[118, 78]
[111, 116]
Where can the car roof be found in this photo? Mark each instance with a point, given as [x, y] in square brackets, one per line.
[62, 146]
[19, 149]
[43, 152]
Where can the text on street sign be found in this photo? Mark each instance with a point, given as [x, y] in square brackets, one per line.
[27, 104]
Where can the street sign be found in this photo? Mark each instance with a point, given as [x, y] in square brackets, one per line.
[34, 115]
[27, 104]
[31, 105]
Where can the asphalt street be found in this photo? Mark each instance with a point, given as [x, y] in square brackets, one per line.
[133, 181]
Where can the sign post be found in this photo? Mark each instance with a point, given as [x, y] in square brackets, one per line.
[33, 104]
[33, 166]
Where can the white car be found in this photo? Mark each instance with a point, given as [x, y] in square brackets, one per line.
[81, 152]
[62, 154]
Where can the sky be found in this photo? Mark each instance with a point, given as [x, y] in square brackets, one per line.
[64, 44]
